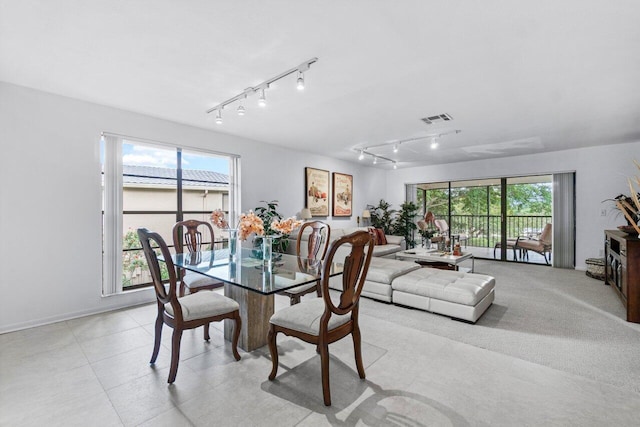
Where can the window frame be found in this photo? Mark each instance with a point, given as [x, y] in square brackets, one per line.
[113, 190]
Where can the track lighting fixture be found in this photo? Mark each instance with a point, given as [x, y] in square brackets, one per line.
[241, 109]
[395, 144]
[262, 100]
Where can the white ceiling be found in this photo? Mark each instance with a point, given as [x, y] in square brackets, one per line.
[517, 77]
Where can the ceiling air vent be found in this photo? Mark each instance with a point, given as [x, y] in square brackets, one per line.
[436, 119]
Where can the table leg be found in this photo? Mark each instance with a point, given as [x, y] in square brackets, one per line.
[255, 311]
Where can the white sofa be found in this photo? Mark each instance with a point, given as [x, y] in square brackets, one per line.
[394, 243]
[459, 295]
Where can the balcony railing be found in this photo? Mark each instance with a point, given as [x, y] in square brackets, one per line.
[484, 231]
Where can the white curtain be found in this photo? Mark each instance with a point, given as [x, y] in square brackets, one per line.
[112, 259]
[564, 233]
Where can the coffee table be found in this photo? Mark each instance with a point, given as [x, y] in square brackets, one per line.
[427, 256]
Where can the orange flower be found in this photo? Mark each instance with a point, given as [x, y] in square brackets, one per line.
[218, 219]
[286, 226]
[250, 223]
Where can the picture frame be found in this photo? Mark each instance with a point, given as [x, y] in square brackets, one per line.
[316, 190]
[342, 194]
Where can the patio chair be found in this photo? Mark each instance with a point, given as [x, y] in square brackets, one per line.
[443, 228]
[541, 245]
[511, 244]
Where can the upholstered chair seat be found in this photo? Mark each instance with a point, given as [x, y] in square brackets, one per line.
[305, 317]
[203, 304]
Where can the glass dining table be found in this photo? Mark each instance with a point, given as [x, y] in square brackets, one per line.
[252, 282]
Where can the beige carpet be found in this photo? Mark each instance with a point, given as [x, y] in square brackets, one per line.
[554, 317]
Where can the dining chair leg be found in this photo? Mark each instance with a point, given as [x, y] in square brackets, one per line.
[357, 350]
[175, 354]
[318, 290]
[324, 363]
[158, 337]
[273, 349]
[236, 335]
[206, 332]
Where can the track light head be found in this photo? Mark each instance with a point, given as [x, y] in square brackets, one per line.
[300, 84]
[241, 110]
[218, 117]
[361, 156]
[395, 165]
[395, 147]
[434, 143]
[375, 160]
[262, 101]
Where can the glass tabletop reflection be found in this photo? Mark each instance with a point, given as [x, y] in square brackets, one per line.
[248, 270]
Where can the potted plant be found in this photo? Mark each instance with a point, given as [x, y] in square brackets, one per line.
[405, 224]
[271, 217]
[382, 216]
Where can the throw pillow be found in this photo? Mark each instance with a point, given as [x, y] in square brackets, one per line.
[374, 235]
[381, 238]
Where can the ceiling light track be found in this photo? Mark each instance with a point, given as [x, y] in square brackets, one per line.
[261, 88]
[376, 158]
[396, 144]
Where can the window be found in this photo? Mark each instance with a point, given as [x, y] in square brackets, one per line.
[154, 185]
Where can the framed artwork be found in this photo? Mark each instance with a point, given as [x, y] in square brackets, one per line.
[342, 194]
[316, 190]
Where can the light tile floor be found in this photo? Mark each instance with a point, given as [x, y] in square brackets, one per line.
[94, 371]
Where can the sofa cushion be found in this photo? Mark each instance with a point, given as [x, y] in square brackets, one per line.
[384, 270]
[374, 235]
[383, 250]
[452, 286]
[382, 239]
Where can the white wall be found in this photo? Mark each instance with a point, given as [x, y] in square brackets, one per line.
[50, 199]
[601, 173]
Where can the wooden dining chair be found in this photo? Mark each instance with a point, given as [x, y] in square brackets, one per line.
[320, 321]
[187, 312]
[187, 234]
[317, 244]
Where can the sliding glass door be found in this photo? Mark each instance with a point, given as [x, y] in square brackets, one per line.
[489, 215]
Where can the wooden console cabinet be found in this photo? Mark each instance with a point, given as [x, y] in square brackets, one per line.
[622, 270]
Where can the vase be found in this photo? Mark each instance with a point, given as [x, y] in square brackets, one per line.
[267, 250]
[233, 243]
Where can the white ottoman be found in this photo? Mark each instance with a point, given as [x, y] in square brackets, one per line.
[382, 271]
[452, 293]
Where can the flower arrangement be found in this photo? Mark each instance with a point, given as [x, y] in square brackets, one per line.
[285, 226]
[218, 219]
[247, 223]
[250, 223]
[630, 205]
